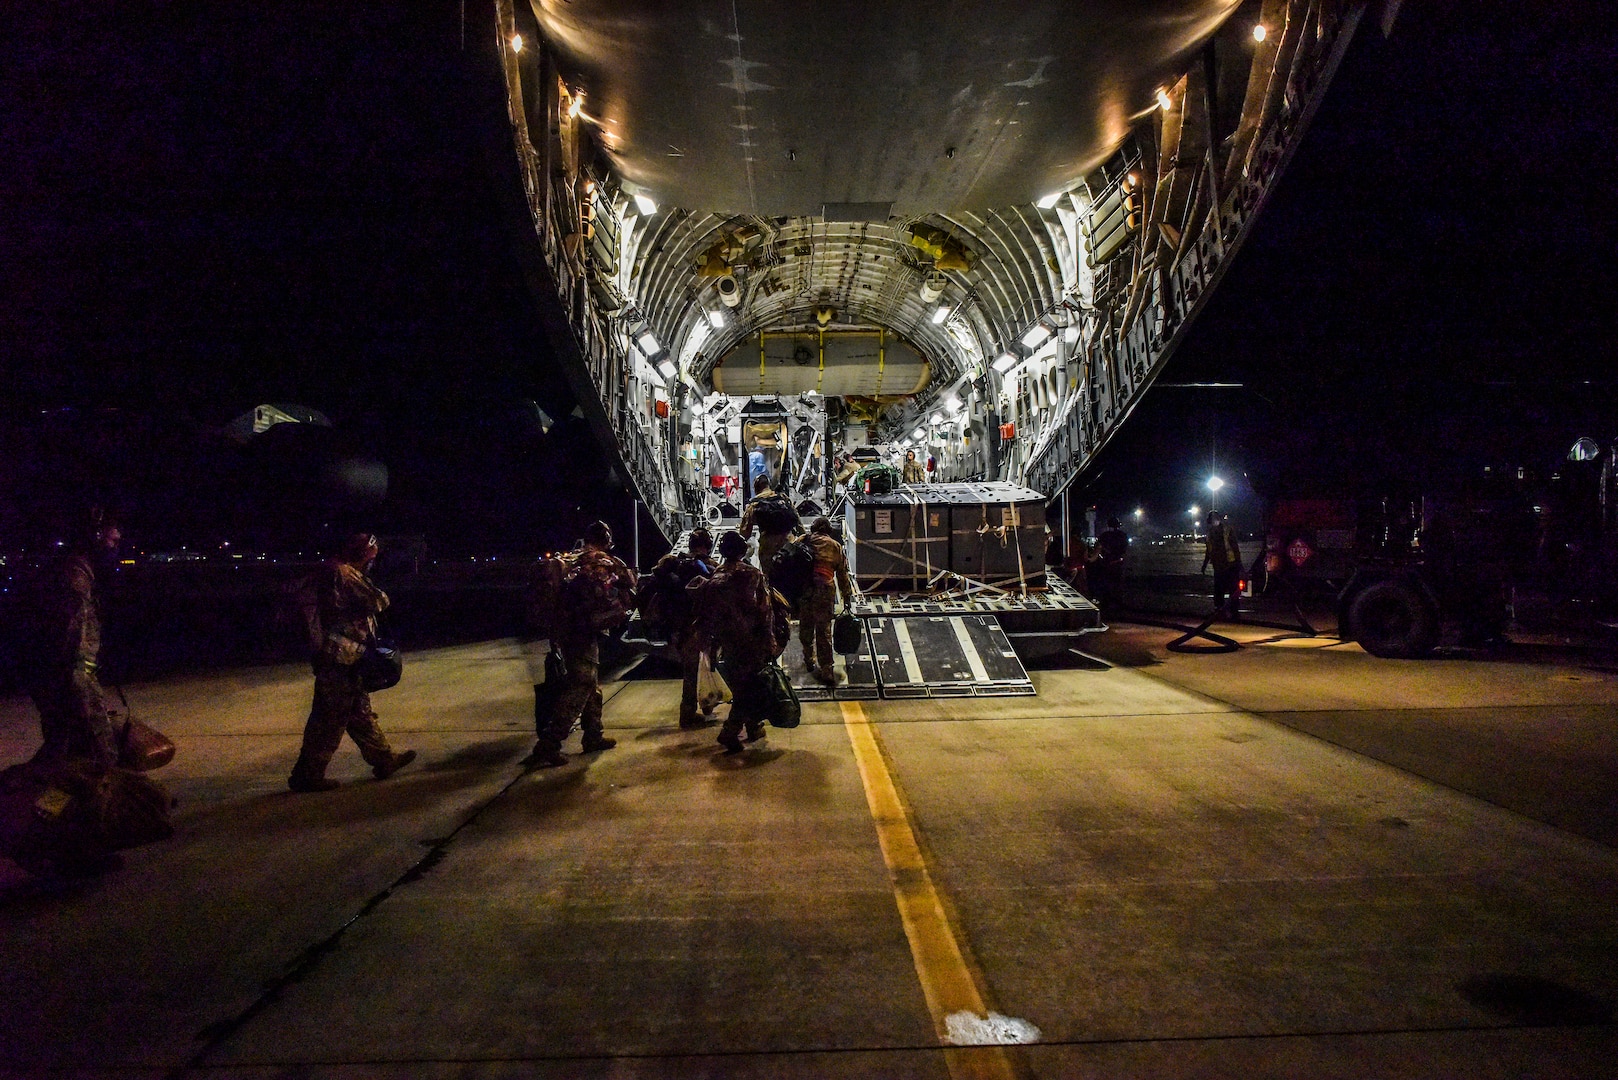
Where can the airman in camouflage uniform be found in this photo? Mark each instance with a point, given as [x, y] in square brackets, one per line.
[670, 578]
[346, 604]
[65, 652]
[579, 641]
[818, 604]
[734, 613]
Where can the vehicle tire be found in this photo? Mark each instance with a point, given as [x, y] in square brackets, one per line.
[1392, 620]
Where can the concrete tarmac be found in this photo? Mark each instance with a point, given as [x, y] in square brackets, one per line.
[1293, 860]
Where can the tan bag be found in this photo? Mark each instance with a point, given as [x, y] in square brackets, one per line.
[712, 689]
[142, 748]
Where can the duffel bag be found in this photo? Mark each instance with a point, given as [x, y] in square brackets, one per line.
[846, 634]
[785, 711]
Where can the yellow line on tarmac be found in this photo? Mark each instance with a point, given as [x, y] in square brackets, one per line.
[946, 978]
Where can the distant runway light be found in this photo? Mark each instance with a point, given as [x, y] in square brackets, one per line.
[1214, 483]
[1139, 513]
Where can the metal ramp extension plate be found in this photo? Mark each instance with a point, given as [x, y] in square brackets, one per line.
[936, 656]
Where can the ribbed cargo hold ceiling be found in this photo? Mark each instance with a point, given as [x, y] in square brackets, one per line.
[772, 109]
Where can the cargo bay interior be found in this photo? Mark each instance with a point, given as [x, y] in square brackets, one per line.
[761, 246]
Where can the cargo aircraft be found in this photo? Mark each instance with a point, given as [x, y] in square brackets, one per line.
[813, 232]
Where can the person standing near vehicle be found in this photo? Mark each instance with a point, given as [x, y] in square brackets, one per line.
[913, 473]
[1107, 577]
[340, 609]
[669, 604]
[597, 595]
[818, 604]
[1225, 556]
[734, 614]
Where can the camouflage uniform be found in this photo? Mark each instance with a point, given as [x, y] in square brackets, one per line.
[674, 573]
[733, 612]
[818, 605]
[62, 672]
[579, 642]
[348, 604]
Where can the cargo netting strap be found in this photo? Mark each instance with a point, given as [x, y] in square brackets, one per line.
[986, 530]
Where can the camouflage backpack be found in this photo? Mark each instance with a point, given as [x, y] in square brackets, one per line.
[597, 592]
[545, 608]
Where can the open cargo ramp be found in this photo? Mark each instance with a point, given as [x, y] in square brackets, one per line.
[928, 656]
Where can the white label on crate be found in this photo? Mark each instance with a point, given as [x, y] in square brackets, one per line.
[882, 522]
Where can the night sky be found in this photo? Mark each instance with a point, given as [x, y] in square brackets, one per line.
[207, 208]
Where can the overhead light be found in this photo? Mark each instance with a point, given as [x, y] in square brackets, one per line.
[666, 368]
[936, 419]
[1214, 483]
[1005, 362]
[576, 106]
[1164, 102]
[1048, 201]
[919, 434]
[716, 319]
[952, 403]
[1260, 32]
[647, 343]
[647, 206]
[516, 43]
[1131, 180]
[1036, 335]
[941, 314]
[1071, 334]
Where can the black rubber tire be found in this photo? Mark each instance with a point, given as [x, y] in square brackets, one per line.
[1393, 620]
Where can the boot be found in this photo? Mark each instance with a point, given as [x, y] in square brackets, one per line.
[755, 732]
[594, 740]
[547, 753]
[393, 764]
[731, 742]
[301, 781]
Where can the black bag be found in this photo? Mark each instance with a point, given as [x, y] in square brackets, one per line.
[846, 634]
[784, 711]
[380, 667]
[793, 569]
[774, 515]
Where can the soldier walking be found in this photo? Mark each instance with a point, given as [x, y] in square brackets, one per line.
[818, 604]
[597, 594]
[340, 609]
[733, 612]
[669, 601]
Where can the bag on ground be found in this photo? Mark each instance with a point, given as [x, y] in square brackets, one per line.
[142, 748]
[712, 689]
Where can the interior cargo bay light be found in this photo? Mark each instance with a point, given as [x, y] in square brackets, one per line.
[647, 343]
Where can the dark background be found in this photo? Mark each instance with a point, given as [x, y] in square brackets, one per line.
[205, 208]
